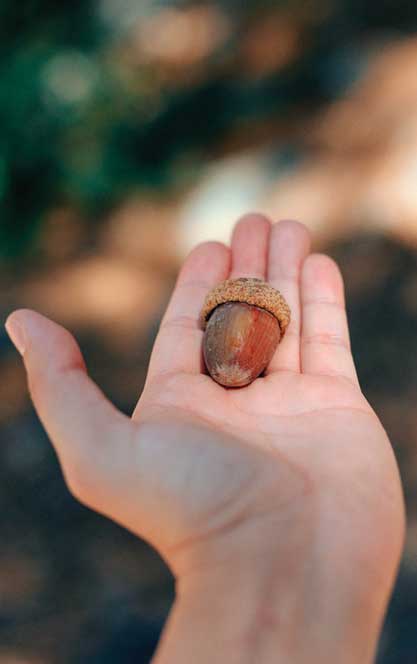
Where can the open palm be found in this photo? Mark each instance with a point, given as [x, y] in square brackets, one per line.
[298, 458]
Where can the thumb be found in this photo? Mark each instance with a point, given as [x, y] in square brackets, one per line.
[155, 478]
[81, 423]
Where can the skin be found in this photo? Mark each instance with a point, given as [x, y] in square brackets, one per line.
[278, 506]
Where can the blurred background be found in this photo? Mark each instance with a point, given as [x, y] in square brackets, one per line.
[129, 131]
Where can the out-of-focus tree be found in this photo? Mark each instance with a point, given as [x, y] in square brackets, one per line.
[99, 98]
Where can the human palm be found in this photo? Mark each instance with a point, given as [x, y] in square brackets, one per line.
[295, 463]
[306, 418]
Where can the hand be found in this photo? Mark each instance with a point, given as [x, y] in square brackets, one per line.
[282, 498]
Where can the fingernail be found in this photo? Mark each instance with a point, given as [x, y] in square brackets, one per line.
[16, 334]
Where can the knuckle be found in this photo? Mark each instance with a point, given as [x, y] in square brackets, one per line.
[183, 322]
[325, 339]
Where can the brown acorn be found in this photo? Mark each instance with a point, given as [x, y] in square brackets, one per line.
[244, 321]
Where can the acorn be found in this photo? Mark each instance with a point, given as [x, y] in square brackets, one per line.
[244, 320]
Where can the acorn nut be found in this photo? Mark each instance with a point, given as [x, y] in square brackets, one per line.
[244, 321]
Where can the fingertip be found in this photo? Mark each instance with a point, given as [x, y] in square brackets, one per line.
[322, 271]
[24, 317]
[249, 244]
[290, 228]
[321, 262]
[25, 326]
[253, 219]
[206, 259]
[42, 342]
[212, 247]
[15, 330]
[290, 244]
[322, 281]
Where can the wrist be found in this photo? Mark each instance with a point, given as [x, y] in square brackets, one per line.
[253, 612]
[281, 589]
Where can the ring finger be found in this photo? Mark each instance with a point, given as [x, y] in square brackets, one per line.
[289, 246]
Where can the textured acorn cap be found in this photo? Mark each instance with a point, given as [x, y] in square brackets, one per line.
[251, 291]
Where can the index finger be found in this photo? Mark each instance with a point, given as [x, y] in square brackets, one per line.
[178, 345]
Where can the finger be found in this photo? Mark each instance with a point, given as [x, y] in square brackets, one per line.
[177, 347]
[289, 246]
[325, 344]
[81, 423]
[250, 247]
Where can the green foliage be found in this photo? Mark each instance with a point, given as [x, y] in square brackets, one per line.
[81, 125]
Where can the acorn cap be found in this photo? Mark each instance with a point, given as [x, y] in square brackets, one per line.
[251, 291]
